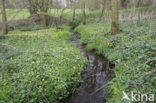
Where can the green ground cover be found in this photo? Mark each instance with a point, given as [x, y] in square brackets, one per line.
[39, 66]
[132, 50]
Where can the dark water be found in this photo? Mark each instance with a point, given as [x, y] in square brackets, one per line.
[96, 76]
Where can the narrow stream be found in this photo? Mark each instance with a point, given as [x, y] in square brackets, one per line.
[96, 76]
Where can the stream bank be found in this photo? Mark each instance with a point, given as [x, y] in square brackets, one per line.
[96, 76]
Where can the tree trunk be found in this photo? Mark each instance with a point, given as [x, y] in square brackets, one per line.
[32, 11]
[139, 13]
[123, 3]
[74, 8]
[44, 19]
[62, 14]
[84, 13]
[114, 17]
[103, 9]
[4, 18]
[138, 3]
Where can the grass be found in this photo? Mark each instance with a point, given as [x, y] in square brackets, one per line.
[133, 51]
[17, 14]
[39, 66]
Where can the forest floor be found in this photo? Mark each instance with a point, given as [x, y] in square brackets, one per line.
[39, 64]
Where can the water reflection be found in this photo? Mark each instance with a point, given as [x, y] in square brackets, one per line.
[96, 77]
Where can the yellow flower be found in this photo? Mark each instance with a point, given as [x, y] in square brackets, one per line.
[43, 79]
[60, 98]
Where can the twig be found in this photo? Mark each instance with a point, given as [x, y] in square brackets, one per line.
[99, 89]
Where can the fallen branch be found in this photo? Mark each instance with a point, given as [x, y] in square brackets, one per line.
[147, 76]
[99, 89]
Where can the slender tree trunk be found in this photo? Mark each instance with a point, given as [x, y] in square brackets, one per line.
[123, 3]
[44, 19]
[138, 3]
[62, 14]
[84, 13]
[74, 8]
[103, 10]
[114, 17]
[4, 18]
[57, 9]
[102, 13]
[32, 11]
[139, 13]
[154, 2]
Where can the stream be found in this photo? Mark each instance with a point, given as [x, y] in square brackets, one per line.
[96, 76]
